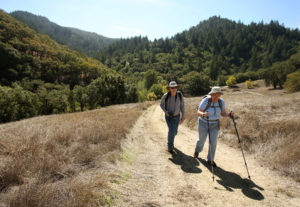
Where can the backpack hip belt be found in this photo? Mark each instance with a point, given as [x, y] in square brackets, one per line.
[210, 119]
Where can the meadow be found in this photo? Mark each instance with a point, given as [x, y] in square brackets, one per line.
[63, 160]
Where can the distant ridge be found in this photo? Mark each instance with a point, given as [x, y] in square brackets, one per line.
[82, 41]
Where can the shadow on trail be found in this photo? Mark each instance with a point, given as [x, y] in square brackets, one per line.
[232, 180]
[188, 163]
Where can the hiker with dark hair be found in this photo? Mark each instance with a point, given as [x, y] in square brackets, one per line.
[209, 111]
[172, 103]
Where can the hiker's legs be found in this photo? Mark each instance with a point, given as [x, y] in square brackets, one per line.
[176, 123]
[172, 123]
[202, 131]
[214, 129]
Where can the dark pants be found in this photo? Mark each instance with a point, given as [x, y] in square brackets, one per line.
[172, 122]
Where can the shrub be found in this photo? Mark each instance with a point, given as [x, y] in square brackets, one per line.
[249, 84]
[254, 83]
[151, 96]
[231, 81]
[157, 89]
[292, 83]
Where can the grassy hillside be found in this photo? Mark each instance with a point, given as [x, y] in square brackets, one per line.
[70, 152]
[82, 41]
[268, 123]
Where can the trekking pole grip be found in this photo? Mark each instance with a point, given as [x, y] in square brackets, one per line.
[230, 115]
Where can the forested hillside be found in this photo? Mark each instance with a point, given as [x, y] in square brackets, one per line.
[213, 50]
[217, 51]
[40, 76]
[82, 41]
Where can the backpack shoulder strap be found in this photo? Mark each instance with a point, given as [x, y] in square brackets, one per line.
[220, 104]
[166, 99]
[180, 95]
[208, 103]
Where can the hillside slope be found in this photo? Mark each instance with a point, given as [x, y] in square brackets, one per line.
[76, 39]
[26, 54]
[217, 47]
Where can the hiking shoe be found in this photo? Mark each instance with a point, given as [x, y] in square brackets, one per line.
[211, 164]
[196, 154]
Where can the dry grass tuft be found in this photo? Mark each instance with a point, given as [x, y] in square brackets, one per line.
[43, 160]
[48, 195]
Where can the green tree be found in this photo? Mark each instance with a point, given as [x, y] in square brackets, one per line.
[106, 90]
[94, 93]
[71, 101]
[150, 78]
[8, 107]
[17, 103]
[131, 93]
[80, 96]
[142, 95]
[113, 90]
[196, 83]
[58, 100]
[221, 80]
[276, 74]
[53, 98]
[26, 102]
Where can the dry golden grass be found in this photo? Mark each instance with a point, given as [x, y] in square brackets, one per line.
[268, 122]
[57, 160]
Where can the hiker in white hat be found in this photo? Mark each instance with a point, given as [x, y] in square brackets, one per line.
[209, 111]
[172, 103]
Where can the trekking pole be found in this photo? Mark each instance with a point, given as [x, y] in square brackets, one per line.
[240, 145]
[211, 160]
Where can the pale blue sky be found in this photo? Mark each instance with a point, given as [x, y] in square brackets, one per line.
[154, 18]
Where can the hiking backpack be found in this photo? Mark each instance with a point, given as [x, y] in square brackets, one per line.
[169, 94]
[209, 102]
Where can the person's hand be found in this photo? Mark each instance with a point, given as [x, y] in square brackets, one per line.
[167, 113]
[206, 114]
[182, 120]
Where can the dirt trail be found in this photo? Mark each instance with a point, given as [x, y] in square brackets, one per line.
[154, 177]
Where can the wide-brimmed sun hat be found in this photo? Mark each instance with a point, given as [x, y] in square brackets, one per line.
[215, 89]
[172, 84]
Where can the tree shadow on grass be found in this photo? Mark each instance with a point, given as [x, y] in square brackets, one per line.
[188, 163]
[232, 181]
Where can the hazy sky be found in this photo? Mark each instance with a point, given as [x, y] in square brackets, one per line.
[154, 18]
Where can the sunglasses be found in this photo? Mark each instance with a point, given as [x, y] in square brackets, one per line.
[173, 87]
